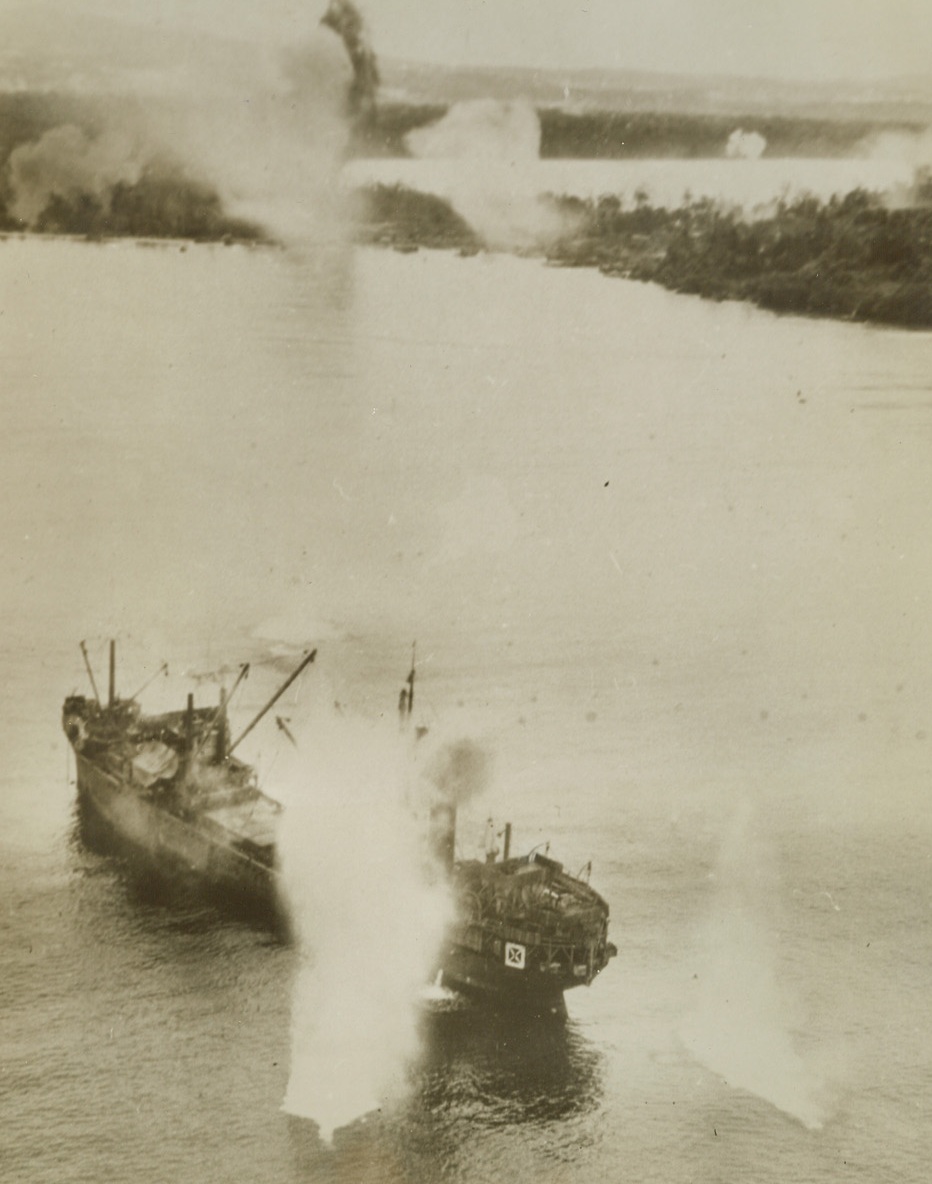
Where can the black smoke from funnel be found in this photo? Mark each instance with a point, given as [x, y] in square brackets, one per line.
[456, 772]
[346, 21]
[459, 771]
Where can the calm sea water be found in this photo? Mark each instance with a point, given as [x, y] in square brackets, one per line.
[666, 560]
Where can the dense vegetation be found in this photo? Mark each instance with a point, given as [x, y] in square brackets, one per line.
[400, 217]
[162, 205]
[85, 195]
[611, 135]
[849, 257]
[616, 135]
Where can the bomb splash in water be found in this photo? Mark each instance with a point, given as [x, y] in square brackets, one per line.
[740, 1025]
[368, 910]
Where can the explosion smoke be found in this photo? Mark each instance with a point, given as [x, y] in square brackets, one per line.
[267, 138]
[344, 18]
[497, 138]
[744, 145]
[481, 129]
[913, 149]
[66, 163]
[459, 771]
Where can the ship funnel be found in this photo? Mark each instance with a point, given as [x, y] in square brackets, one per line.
[223, 729]
[442, 835]
[189, 753]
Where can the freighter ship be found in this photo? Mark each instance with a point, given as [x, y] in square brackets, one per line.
[168, 791]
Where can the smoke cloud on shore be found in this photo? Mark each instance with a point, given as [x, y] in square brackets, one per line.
[67, 163]
[744, 145]
[495, 138]
[913, 149]
[266, 131]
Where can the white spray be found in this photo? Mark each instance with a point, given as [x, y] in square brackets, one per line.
[497, 139]
[744, 145]
[368, 911]
[912, 150]
[740, 1026]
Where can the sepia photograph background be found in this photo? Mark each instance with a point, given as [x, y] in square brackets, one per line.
[583, 353]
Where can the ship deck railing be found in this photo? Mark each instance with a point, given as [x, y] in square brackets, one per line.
[578, 959]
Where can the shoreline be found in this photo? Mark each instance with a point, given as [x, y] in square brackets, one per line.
[847, 258]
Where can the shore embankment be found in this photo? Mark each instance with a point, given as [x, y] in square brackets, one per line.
[848, 257]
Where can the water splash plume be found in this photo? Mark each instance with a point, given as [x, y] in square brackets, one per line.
[368, 914]
[740, 1027]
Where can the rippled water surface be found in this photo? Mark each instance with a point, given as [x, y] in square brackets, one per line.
[666, 560]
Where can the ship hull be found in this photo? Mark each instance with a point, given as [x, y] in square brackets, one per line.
[166, 794]
[187, 859]
[171, 853]
[502, 987]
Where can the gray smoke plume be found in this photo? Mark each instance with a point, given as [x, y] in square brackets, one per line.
[345, 20]
[909, 153]
[459, 771]
[498, 140]
[66, 163]
[744, 145]
[481, 130]
[260, 137]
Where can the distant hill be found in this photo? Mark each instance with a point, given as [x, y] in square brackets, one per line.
[87, 54]
[40, 50]
[898, 100]
[97, 72]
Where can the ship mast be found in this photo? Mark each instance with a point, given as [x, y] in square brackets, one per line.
[219, 720]
[163, 669]
[90, 672]
[406, 698]
[306, 661]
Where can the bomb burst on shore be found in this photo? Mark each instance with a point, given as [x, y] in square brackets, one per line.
[207, 167]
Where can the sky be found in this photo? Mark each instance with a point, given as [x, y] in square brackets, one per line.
[795, 39]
